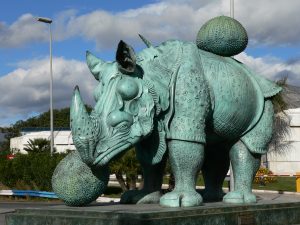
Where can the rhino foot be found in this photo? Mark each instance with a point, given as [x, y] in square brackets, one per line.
[181, 199]
[239, 197]
[140, 197]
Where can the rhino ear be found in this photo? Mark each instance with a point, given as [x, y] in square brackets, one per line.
[94, 64]
[126, 58]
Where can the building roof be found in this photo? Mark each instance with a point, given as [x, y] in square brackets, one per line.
[37, 129]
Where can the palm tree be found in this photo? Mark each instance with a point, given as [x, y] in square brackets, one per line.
[38, 145]
[281, 121]
[127, 164]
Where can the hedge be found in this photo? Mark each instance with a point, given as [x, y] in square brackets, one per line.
[29, 171]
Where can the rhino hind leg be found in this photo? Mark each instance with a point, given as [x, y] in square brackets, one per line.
[151, 191]
[214, 170]
[186, 159]
[245, 165]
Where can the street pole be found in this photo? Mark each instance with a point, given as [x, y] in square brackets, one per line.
[232, 8]
[231, 188]
[49, 21]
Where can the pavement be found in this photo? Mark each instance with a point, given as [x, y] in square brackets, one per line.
[10, 206]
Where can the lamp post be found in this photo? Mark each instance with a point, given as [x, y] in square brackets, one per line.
[231, 182]
[232, 8]
[49, 21]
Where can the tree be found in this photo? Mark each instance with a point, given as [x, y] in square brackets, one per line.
[38, 145]
[129, 166]
[10, 132]
[61, 119]
[281, 122]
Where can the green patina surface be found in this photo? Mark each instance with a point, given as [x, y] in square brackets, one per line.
[72, 177]
[199, 109]
[223, 36]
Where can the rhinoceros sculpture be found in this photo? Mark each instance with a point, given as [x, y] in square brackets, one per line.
[201, 110]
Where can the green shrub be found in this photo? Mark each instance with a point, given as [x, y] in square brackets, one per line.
[31, 171]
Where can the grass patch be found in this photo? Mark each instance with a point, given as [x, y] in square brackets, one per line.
[281, 184]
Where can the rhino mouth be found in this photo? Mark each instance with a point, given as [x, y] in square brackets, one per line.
[105, 157]
[109, 148]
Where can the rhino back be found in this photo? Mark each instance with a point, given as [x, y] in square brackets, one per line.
[237, 101]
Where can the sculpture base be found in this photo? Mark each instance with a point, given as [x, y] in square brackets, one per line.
[265, 212]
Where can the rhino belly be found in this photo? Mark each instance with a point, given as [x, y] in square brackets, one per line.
[237, 100]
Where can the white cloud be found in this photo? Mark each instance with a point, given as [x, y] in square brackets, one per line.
[273, 68]
[26, 89]
[268, 22]
[26, 29]
[273, 22]
[266, 66]
[158, 22]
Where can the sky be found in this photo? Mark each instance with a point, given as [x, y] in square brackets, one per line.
[97, 25]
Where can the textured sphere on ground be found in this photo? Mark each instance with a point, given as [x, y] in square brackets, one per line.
[75, 183]
[223, 36]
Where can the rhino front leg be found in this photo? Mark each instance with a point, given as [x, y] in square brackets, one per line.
[186, 159]
[244, 165]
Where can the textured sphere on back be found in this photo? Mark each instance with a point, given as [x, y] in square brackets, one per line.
[75, 183]
[223, 36]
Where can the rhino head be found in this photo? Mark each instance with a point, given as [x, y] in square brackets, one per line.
[123, 113]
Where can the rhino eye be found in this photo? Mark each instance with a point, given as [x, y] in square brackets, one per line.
[117, 117]
[128, 89]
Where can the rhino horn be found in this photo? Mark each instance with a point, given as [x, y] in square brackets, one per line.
[80, 119]
[94, 64]
[147, 43]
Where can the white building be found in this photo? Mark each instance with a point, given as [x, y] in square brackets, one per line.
[288, 163]
[62, 140]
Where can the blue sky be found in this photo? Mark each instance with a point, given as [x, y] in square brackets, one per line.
[272, 25]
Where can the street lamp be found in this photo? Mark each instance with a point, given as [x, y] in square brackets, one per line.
[231, 181]
[232, 8]
[49, 21]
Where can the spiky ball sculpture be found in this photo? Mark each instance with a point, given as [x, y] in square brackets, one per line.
[223, 36]
[75, 183]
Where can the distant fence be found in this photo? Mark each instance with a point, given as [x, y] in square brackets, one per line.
[41, 194]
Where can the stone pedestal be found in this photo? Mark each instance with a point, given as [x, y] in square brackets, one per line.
[278, 211]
